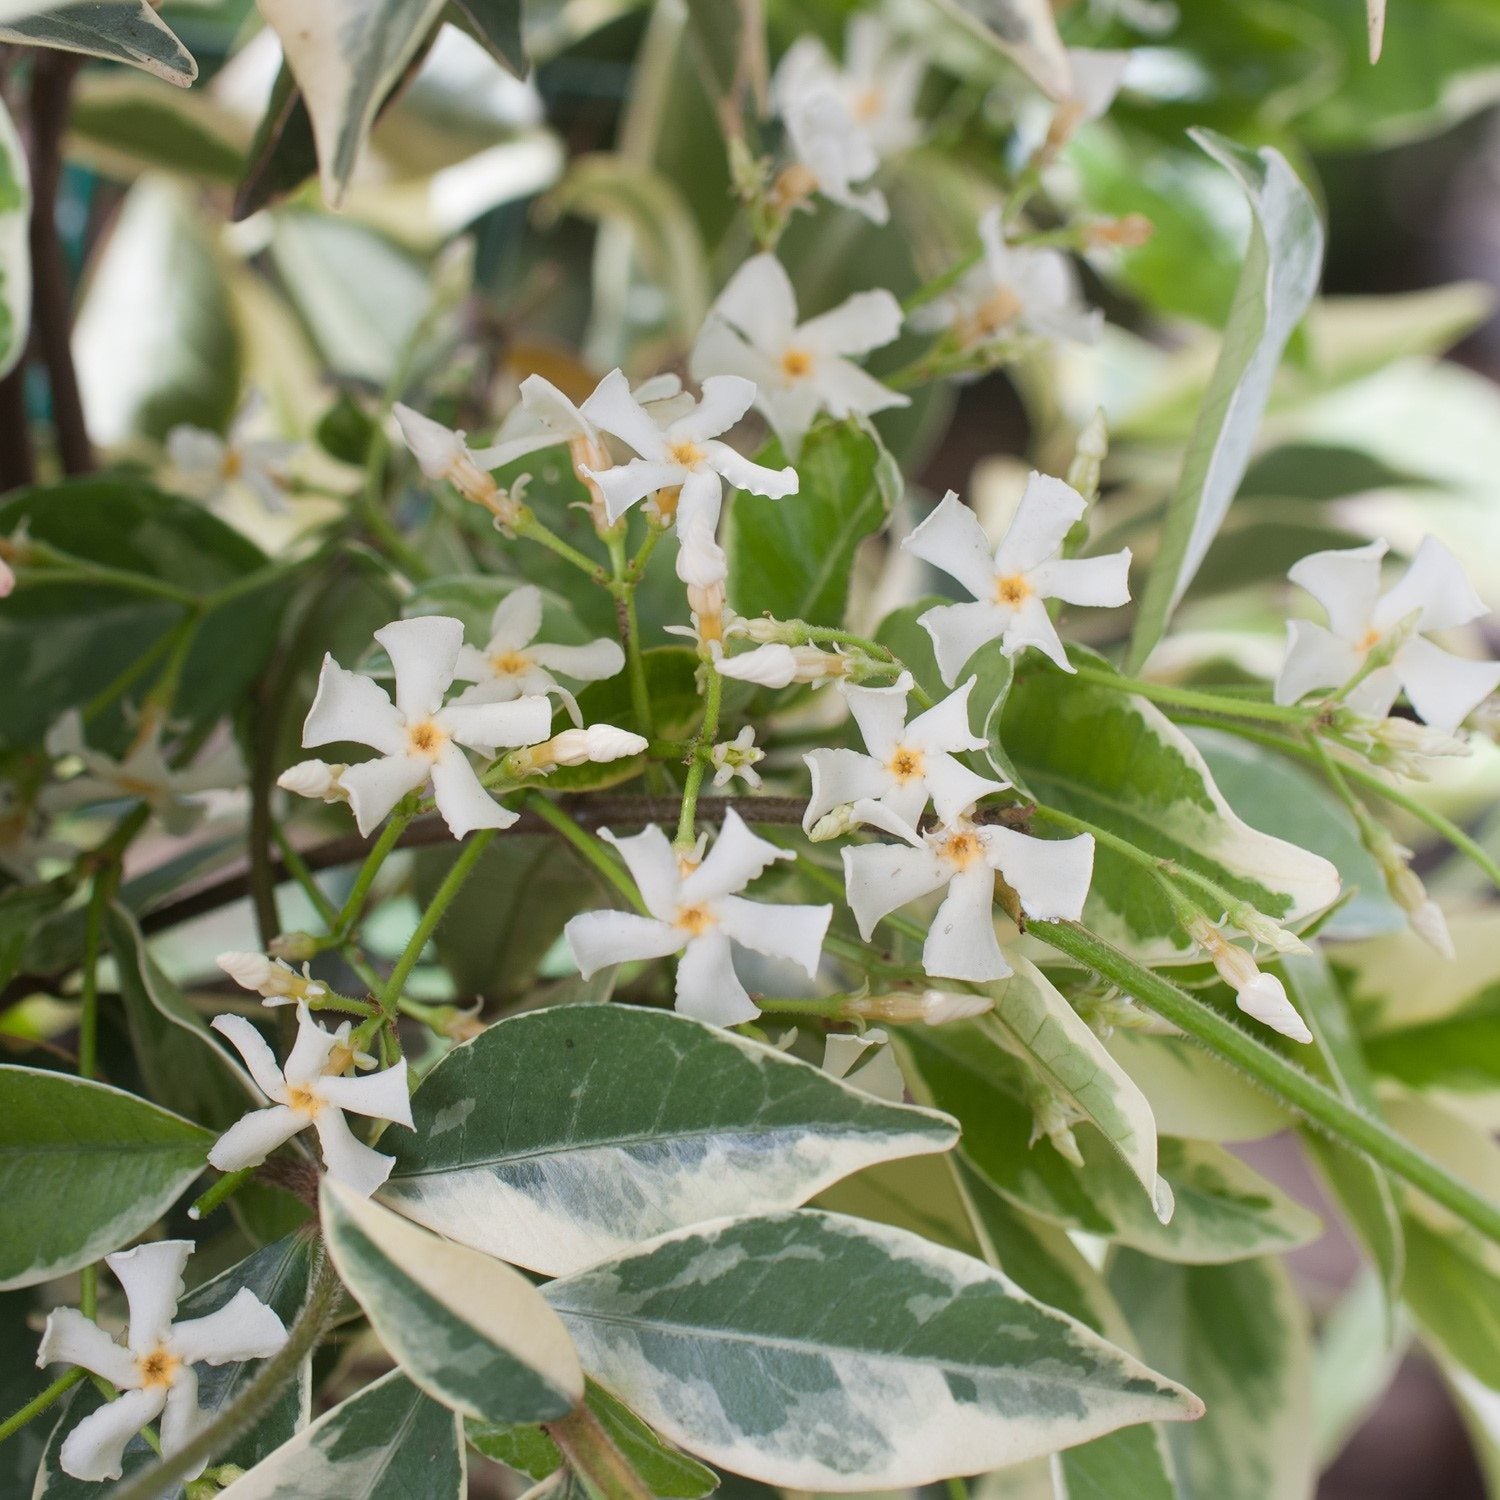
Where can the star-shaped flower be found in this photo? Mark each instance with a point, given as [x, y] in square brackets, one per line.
[833, 156]
[798, 369]
[1433, 594]
[908, 764]
[153, 1369]
[1013, 289]
[417, 737]
[737, 757]
[514, 664]
[1049, 876]
[314, 1088]
[1011, 586]
[695, 910]
[209, 466]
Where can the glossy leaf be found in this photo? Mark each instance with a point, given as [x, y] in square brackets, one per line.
[496, 23]
[844, 1355]
[84, 1169]
[470, 1331]
[554, 1179]
[127, 31]
[15, 248]
[1277, 282]
[386, 1442]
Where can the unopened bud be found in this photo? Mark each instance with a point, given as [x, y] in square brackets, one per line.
[1258, 995]
[834, 824]
[1049, 1118]
[920, 1008]
[442, 453]
[295, 947]
[1260, 928]
[577, 747]
[764, 630]
[277, 982]
[1429, 924]
[794, 185]
[778, 666]
[314, 778]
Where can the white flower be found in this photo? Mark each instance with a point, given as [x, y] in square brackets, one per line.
[777, 666]
[312, 1089]
[681, 454]
[1014, 288]
[315, 779]
[598, 743]
[209, 466]
[737, 757]
[833, 156]
[511, 666]
[1011, 586]
[1049, 876]
[153, 1369]
[442, 453]
[178, 797]
[273, 979]
[1097, 76]
[908, 764]
[695, 910]
[798, 369]
[417, 737]
[1433, 594]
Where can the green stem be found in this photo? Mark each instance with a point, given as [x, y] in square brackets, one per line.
[390, 836]
[40, 1402]
[453, 882]
[253, 1399]
[1193, 698]
[592, 1455]
[1320, 1106]
[623, 588]
[587, 847]
[526, 525]
[63, 568]
[713, 698]
[226, 1187]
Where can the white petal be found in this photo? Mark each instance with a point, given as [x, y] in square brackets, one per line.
[350, 706]
[152, 1278]
[1436, 587]
[1103, 582]
[95, 1449]
[182, 1419]
[945, 726]
[463, 802]
[255, 1052]
[794, 933]
[952, 540]
[491, 726]
[312, 1048]
[653, 866]
[374, 787]
[879, 878]
[961, 942]
[865, 321]
[954, 788]
[880, 713]
[1315, 658]
[722, 350]
[436, 448]
[1265, 999]
[1031, 625]
[1096, 78]
[623, 485]
[1046, 514]
[385, 1095]
[424, 652]
[959, 630]
[613, 408]
[1374, 696]
[759, 301]
[845, 389]
[244, 1328]
[841, 776]
[658, 391]
[1346, 582]
[736, 858]
[553, 409]
[1442, 687]
[745, 475]
[597, 939]
[725, 399]
[589, 663]
[350, 1162]
[70, 1338]
[698, 505]
[516, 620]
[1051, 876]
[708, 989]
[773, 665]
[253, 1137]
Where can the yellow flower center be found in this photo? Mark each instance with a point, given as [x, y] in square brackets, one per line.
[867, 104]
[1014, 589]
[427, 737]
[159, 1368]
[509, 663]
[339, 1061]
[1369, 640]
[906, 764]
[796, 363]
[233, 465]
[997, 312]
[695, 919]
[688, 454]
[303, 1100]
[961, 849]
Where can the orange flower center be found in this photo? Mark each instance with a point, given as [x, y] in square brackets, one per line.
[158, 1368]
[1013, 590]
[303, 1100]
[695, 919]
[867, 104]
[996, 312]
[427, 737]
[906, 764]
[962, 849]
[796, 363]
[1369, 640]
[509, 663]
[687, 454]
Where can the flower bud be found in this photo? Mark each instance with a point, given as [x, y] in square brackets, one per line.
[1050, 1118]
[778, 666]
[295, 947]
[276, 981]
[1258, 995]
[316, 779]
[763, 630]
[924, 1008]
[599, 742]
[442, 453]
[1260, 928]
[833, 824]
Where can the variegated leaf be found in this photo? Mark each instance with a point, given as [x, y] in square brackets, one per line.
[470, 1331]
[127, 31]
[388, 1442]
[555, 1176]
[819, 1352]
[15, 248]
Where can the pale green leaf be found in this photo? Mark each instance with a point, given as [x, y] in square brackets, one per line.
[84, 1169]
[15, 248]
[1238, 1335]
[555, 1178]
[386, 1442]
[127, 31]
[1277, 282]
[820, 1352]
[1353, 1363]
[1192, 1093]
[1455, 1296]
[473, 1333]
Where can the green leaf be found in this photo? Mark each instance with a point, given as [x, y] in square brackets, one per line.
[473, 1333]
[1192, 1093]
[15, 248]
[1456, 1058]
[1120, 763]
[386, 1442]
[125, 126]
[127, 31]
[1277, 282]
[496, 23]
[1323, 471]
[84, 1168]
[345, 56]
[1455, 1296]
[792, 557]
[283, 154]
[671, 687]
[1238, 1334]
[846, 1355]
[554, 1179]
[1223, 1210]
[666, 1471]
